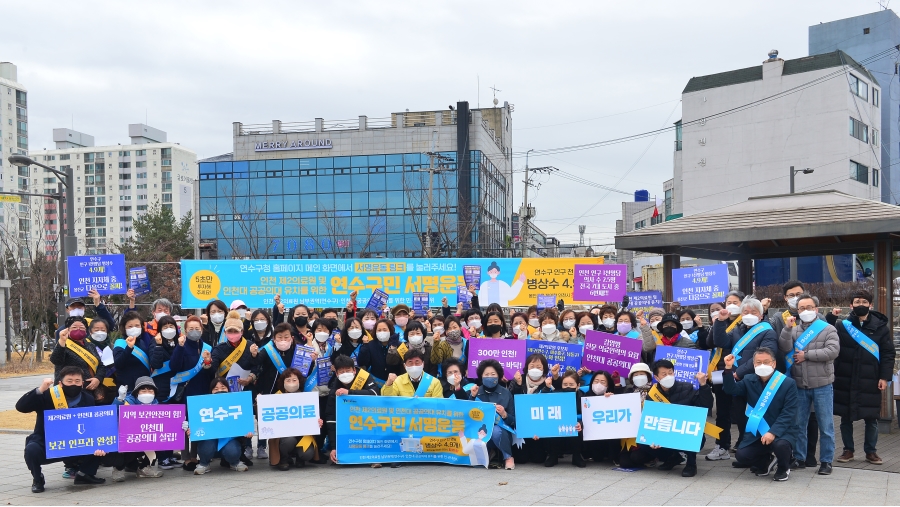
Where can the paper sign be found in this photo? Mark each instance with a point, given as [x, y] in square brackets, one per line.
[472, 275]
[604, 351]
[138, 281]
[600, 282]
[567, 355]
[701, 285]
[288, 414]
[220, 415]
[546, 415]
[646, 300]
[717, 377]
[672, 426]
[463, 296]
[323, 366]
[106, 357]
[545, 301]
[151, 427]
[510, 353]
[377, 301]
[420, 303]
[80, 431]
[302, 360]
[688, 362]
[103, 273]
[234, 384]
[615, 417]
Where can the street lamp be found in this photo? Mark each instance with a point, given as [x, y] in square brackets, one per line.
[795, 171]
[66, 238]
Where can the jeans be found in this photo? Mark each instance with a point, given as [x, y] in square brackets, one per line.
[822, 399]
[759, 454]
[871, 439]
[230, 453]
[501, 440]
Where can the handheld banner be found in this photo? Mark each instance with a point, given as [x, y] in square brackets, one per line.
[323, 367]
[701, 285]
[420, 303]
[103, 273]
[688, 362]
[546, 415]
[604, 351]
[646, 300]
[288, 414]
[302, 360]
[151, 428]
[598, 283]
[510, 353]
[615, 417]
[80, 431]
[377, 301]
[672, 426]
[546, 301]
[220, 415]
[390, 429]
[463, 296]
[138, 281]
[472, 275]
[566, 355]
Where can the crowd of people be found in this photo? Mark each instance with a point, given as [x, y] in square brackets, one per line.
[780, 378]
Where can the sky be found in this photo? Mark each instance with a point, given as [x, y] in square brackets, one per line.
[576, 71]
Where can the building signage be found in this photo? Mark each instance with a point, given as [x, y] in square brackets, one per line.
[299, 144]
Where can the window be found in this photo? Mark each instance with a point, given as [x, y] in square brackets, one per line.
[859, 87]
[859, 130]
[141, 153]
[140, 164]
[124, 165]
[865, 31]
[859, 172]
[669, 198]
[874, 137]
[875, 97]
[64, 157]
[124, 153]
[640, 225]
[874, 177]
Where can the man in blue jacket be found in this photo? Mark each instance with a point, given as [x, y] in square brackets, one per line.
[772, 414]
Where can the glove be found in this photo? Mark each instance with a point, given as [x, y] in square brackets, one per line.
[123, 390]
[184, 425]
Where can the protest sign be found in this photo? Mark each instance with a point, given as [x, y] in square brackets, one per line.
[80, 431]
[546, 415]
[510, 353]
[646, 300]
[102, 273]
[138, 281]
[302, 360]
[672, 426]
[688, 362]
[377, 301]
[545, 301]
[604, 351]
[600, 282]
[472, 275]
[463, 296]
[420, 303]
[288, 414]
[566, 355]
[151, 428]
[323, 366]
[614, 417]
[220, 415]
[700, 285]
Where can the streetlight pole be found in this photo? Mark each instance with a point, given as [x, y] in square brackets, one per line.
[792, 269]
[524, 218]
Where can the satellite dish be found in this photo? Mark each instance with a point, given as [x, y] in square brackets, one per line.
[496, 101]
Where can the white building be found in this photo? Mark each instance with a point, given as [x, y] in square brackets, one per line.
[114, 184]
[827, 119]
[13, 140]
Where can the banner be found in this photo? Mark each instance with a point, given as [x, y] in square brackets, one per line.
[615, 417]
[672, 426]
[328, 282]
[288, 414]
[546, 415]
[463, 296]
[138, 281]
[302, 360]
[472, 275]
[80, 431]
[151, 428]
[220, 415]
[599, 283]
[510, 353]
[391, 429]
[604, 351]
[701, 285]
[566, 355]
[103, 273]
[420, 303]
[546, 301]
[377, 301]
[323, 368]
[646, 300]
[688, 362]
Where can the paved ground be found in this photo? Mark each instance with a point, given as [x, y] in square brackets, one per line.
[717, 483]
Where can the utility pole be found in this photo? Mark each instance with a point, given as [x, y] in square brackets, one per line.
[431, 170]
[526, 210]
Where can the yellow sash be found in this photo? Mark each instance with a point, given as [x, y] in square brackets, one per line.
[785, 315]
[306, 442]
[59, 399]
[232, 358]
[710, 429]
[733, 324]
[109, 382]
[657, 336]
[85, 356]
[402, 350]
[362, 376]
[714, 362]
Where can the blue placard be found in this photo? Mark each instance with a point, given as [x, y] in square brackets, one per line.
[420, 303]
[391, 429]
[138, 281]
[463, 296]
[545, 301]
[81, 431]
[701, 285]
[377, 301]
[546, 415]
[103, 273]
[302, 360]
[323, 368]
[567, 355]
[671, 426]
[220, 415]
[472, 275]
[646, 300]
[688, 362]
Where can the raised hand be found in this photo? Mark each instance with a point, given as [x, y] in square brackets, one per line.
[130, 341]
[95, 296]
[63, 337]
[46, 384]
[729, 361]
[518, 378]
[254, 350]
[391, 378]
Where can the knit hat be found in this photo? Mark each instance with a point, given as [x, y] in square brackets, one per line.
[144, 382]
[234, 320]
[636, 367]
[656, 312]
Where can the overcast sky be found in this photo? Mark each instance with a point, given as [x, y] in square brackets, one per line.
[570, 68]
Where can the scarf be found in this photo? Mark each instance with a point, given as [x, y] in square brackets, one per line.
[669, 342]
[552, 337]
[643, 391]
[533, 386]
[420, 346]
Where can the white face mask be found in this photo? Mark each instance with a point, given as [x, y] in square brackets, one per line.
[438, 329]
[415, 339]
[311, 323]
[534, 322]
[260, 325]
[687, 324]
[346, 378]
[733, 309]
[750, 320]
[451, 379]
[76, 312]
[763, 370]
[668, 382]
[146, 398]
[168, 333]
[654, 325]
[516, 329]
[598, 389]
[415, 372]
[474, 324]
[639, 380]
[808, 315]
[548, 329]
[217, 318]
[242, 313]
[383, 336]
[98, 336]
[609, 322]
[354, 334]
[283, 345]
[292, 387]
[569, 323]
[133, 332]
[369, 324]
[535, 373]
[585, 329]
[322, 337]
[792, 302]
[159, 315]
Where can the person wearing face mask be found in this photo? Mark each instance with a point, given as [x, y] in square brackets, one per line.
[400, 315]
[549, 330]
[75, 308]
[558, 446]
[648, 325]
[230, 451]
[630, 455]
[668, 333]
[131, 354]
[144, 393]
[773, 425]
[536, 378]
[160, 308]
[584, 322]
[373, 356]
[274, 358]
[567, 322]
[600, 384]
[474, 327]
[259, 328]
[415, 340]
[811, 346]
[243, 312]
[73, 349]
[495, 326]
[415, 382]
[66, 393]
[352, 336]
[723, 400]
[191, 363]
[626, 325]
[454, 379]
[235, 350]
[490, 391]
[791, 289]
[322, 330]
[519, 330]
[862, 372]
[369, 319]
[534, 321]
[213, 320]
[347, 381]
[160, 362]
[606, 319]
[297, 450]
[452, 344]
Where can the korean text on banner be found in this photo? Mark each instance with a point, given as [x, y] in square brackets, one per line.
[597, 283]
[220, 415]
[566, 355]
[377, 301]
[614, 417]
[103, 273]
[510, 354]
[420, 303]
[700, 285]
[138, 281]
[80, 431]
[545, 301]
[546, 415]
[288, 414]
[463, 296]
[672, 426]
[151, 427]
[604, 351]
[688, 362]
[390, 429]
[646, 300]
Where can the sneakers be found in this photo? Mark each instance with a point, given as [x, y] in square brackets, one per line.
[189, 466]
[68, 473]
[689, 471]
[578, 460]
[37, 485]
[168, 464]
[284, 465]
[240, 467]
[762, 472]
[261, 453]
[718, 453]
[201, 469]
[148, 472]
[81, 479]
[824, 469]
[874, 458]
[248, 452]
[798, 465]
[551, 461]
[671, 462]
[118, 475]
[782, 475]
[846, 457]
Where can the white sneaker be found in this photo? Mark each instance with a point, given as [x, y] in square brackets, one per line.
[148, 472]
[200, 470]
[248, 452]
[718, 453]
[240, 467]
[261, 453]
[118, 475]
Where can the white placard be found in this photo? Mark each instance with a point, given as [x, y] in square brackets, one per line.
[288, 414]
[615, 417]
[106, 357]
[717, 377]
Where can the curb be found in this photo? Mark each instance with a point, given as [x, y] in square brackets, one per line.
[15, 431]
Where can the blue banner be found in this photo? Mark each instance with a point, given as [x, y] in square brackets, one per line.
[323, 367]
[700, 285]
[646, 300]
[377, 301]
[391, 429]
[688, 362]
[546, 301]
[566, 355]
[671, 426]
[420, 303]
[103, 273]
[221, 415]
[463, 296]
[472, 275]
[81, 431]
[546, 415]
[138, 281]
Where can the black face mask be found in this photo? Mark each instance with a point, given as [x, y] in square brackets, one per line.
[568, 389]
[71, 391]
[492, 329]
[861, 311]
[669, 332]
[301, 321]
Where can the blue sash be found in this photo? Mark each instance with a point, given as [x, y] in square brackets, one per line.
[379, 382]
[136, 351]
[312, 381]
[863, 340]
[803, 340]
[184, 376]
[221, 339]
[633, 334]
[165, 369]
[424, 384]
[275, 357]
[222, 442]
[756, 425]
[748, 336]
[693, 336]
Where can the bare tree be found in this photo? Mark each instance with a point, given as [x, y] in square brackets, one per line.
[334, 237]
[250, 226]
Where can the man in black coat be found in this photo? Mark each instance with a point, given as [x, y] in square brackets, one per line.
[862, 370]
[345, 370]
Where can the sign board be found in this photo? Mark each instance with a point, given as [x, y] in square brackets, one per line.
[103, 273]
[600, 282]
[221, 415]
[609, 352]
[545, 301]
[546, 415]
[688, 362]
[615, 417]
[151, 427]
[566, 355]
[672, 426]
[288, 414]
[472, 275]
[646, 300]
[377, 301]
[420, 303]
[510, 353]
[463, 296]
[138, 281]
[700, 285]
[80, 431]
